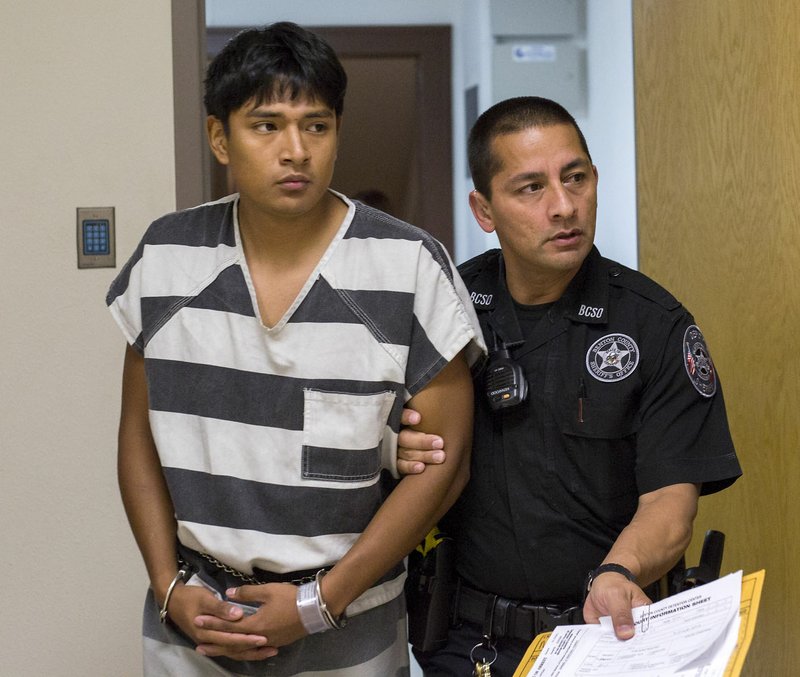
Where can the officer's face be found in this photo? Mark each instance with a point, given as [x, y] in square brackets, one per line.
[544, 201]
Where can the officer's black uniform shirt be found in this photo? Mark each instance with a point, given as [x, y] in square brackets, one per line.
[623, 400]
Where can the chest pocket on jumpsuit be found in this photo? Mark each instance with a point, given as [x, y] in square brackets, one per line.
[343, 434]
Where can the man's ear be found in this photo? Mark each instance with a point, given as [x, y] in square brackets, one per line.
[217, 139]
[482, 210]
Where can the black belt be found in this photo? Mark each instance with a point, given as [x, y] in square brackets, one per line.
[508, 617]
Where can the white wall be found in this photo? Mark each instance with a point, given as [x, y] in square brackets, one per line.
[86, 106]
[608, 126]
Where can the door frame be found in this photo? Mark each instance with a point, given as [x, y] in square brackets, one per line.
[192, 155]
[430, 45]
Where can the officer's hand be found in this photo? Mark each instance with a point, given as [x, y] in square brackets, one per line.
[417, 449]
[614, 595]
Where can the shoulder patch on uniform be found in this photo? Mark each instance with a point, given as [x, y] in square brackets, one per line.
[698, 363]
[612, 357]
[644, 286]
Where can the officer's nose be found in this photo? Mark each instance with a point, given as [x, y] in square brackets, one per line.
[562, 203]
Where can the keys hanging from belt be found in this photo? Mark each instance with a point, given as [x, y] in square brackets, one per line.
[483, 669]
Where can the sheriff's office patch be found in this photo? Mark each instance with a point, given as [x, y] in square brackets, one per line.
[612, 357]
[697, 361]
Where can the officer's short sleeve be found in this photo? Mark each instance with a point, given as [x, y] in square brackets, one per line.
[683, 434]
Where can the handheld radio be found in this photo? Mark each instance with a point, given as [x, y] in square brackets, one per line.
[506, 385]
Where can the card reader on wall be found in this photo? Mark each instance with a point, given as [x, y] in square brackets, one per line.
[96, 241]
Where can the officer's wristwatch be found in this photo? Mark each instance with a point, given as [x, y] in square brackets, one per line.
[604, 568]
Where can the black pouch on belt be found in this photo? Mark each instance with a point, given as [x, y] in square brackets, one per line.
[429, 591]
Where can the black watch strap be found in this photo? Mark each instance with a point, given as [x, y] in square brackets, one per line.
[605, 568]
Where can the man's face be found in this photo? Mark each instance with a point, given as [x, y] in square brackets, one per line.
[544, 200]
[281, 155]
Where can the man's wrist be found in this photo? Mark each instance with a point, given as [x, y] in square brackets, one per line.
[609, 567]
[183, 575]
[313, 611]
[333, 595]
[161, 584]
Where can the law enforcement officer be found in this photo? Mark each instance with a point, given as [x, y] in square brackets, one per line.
[599, 417]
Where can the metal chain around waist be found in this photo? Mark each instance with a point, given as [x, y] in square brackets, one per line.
[252, 580]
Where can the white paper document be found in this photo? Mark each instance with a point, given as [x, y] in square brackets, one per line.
[691, 634]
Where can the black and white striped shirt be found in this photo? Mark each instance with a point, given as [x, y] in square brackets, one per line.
[278, 443]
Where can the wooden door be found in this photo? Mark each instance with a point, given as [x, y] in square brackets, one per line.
[718, 157]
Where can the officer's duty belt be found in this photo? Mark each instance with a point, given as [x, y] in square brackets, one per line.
[508, 617]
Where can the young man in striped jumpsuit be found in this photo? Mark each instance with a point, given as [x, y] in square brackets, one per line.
[274, 338]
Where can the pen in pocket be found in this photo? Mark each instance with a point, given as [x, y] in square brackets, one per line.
[581, 398]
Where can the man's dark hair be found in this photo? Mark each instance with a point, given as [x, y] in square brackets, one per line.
[508, 117]
[280, 61]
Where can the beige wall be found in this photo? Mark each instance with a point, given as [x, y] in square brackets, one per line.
[86, 111]
[718, 153]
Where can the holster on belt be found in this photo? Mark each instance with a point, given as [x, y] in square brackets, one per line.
[429, 591]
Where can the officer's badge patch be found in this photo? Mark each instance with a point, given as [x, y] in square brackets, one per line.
[612, 357]
[697, 361]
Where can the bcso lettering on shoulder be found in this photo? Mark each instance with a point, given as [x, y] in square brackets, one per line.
[590, 311]
[481, 299]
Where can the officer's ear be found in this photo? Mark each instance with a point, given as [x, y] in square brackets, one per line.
[482, 210]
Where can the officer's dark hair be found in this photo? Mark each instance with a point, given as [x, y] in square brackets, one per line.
[279, 61]
[507, 117]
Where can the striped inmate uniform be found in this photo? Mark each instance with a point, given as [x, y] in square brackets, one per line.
[278, 444]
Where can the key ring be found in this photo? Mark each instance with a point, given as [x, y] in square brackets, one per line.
[482, 645]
